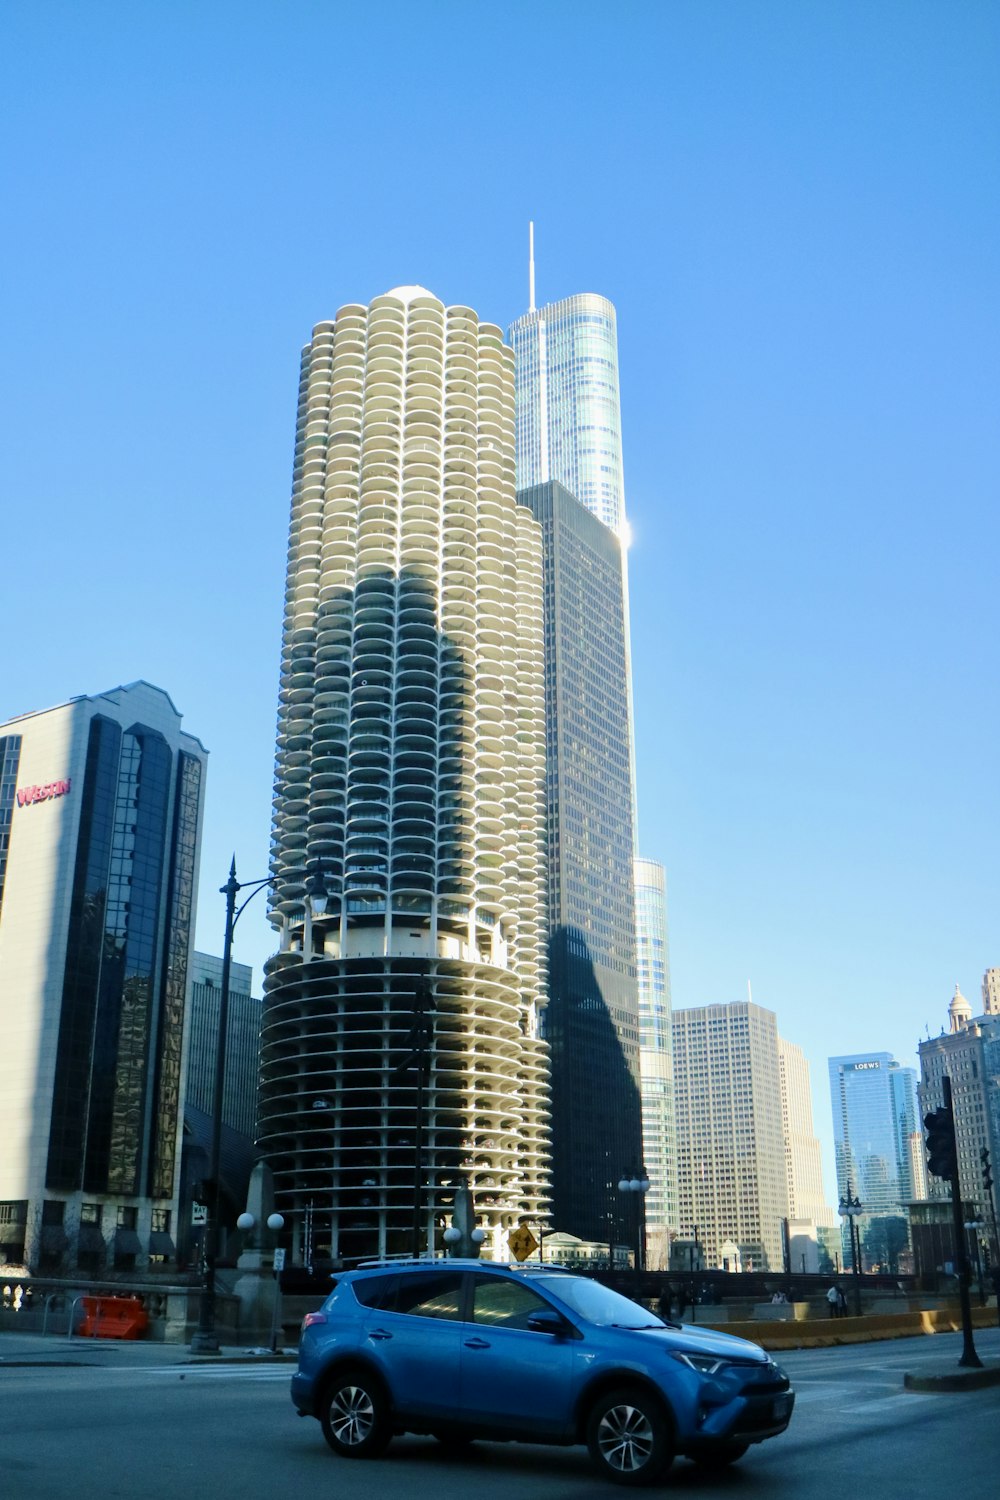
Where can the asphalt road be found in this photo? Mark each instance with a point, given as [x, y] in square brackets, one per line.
[163, 1431]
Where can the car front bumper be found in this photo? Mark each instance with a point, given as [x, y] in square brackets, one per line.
[745, 1419]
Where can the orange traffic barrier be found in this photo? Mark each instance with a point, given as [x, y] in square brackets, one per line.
[112, 1318]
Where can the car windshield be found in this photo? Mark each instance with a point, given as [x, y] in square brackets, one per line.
[597, 1303]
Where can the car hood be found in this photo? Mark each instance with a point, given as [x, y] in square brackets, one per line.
[691, 1340]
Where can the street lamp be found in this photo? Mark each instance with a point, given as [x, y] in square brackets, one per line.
[276, 1223]
[206, 1340]
[637, 1186]
[849, 1209]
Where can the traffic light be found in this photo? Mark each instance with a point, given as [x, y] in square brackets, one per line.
[984, 1157]
[941, 1156]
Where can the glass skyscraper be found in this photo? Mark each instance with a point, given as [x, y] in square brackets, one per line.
[874, 1115]
[568, 406]
[656, 1059]
[591, 1022]
[569, 436]
[239, 1089]
[100, 807]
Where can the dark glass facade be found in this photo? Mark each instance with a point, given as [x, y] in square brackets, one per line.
[83, 957]
[170, 1041]
[10, 755]
[120, 1017]
[592, 1019]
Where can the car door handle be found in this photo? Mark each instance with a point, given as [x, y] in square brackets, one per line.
[477, 1343]
[379, 1333]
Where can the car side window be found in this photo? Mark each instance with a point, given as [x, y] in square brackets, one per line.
[375, 1291]
[428, 1294]
[504, 1304]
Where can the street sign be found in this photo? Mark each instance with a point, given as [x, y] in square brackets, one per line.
[522, 1242]
[199, 1213]
[279, 1260]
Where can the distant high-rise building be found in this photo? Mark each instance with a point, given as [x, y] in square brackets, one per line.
[592, 1019]
[401, 1022]
[239, 1094]
[969, 1054]
[656, 1060]
[806, 1192]
[991, 992]
[808, 1211]
[100, 818]
[874, 1114]
[733, 1182]
[568, 406]
[569, 436]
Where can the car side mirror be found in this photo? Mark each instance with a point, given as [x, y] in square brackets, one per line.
[548, 1321]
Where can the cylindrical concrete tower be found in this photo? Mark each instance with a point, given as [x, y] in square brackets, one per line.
[410, 776]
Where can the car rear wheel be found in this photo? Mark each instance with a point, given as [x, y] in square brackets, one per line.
[355, 1415]
[721, 1457]
[629, 1437]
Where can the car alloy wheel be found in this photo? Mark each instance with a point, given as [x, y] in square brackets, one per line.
[628, 1438]
[355, 1421]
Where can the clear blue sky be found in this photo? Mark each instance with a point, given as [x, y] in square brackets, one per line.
[794, 206]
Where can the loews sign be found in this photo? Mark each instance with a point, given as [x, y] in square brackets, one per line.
[864, 1067]
[28, 794]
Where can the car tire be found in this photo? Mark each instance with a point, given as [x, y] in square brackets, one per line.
[721, 1457]
[629, 1437]
[355, 1415]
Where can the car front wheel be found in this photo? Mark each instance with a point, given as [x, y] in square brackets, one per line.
[355, 1416]
[629, 1437]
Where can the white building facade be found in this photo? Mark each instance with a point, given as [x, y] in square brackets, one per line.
[808, 1210]
[656, 1061]
[732, 1178]
[100, 817]
[401, 1047]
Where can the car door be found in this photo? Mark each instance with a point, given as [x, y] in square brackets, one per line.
[413, 1334]
[513, 1379]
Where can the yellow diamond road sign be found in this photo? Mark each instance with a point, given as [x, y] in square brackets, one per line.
[522, 1242]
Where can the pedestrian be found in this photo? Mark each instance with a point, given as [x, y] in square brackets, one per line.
[841, 1302]
[833, 1301]
[665, 1306]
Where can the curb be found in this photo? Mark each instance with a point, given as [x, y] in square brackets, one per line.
[955, 1380]
[239, 1359]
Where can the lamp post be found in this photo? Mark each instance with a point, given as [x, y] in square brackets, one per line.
[276, 1223]
[637, 1186]
[205, 1340]
[849, 1209]
[462, 1236]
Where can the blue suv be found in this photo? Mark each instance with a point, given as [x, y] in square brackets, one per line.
[468, 1349]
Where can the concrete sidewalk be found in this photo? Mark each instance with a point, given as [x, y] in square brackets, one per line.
[34, 1349]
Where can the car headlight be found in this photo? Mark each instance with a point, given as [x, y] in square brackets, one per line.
[705, 1364]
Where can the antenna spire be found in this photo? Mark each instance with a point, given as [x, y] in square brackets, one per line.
[531, 265]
